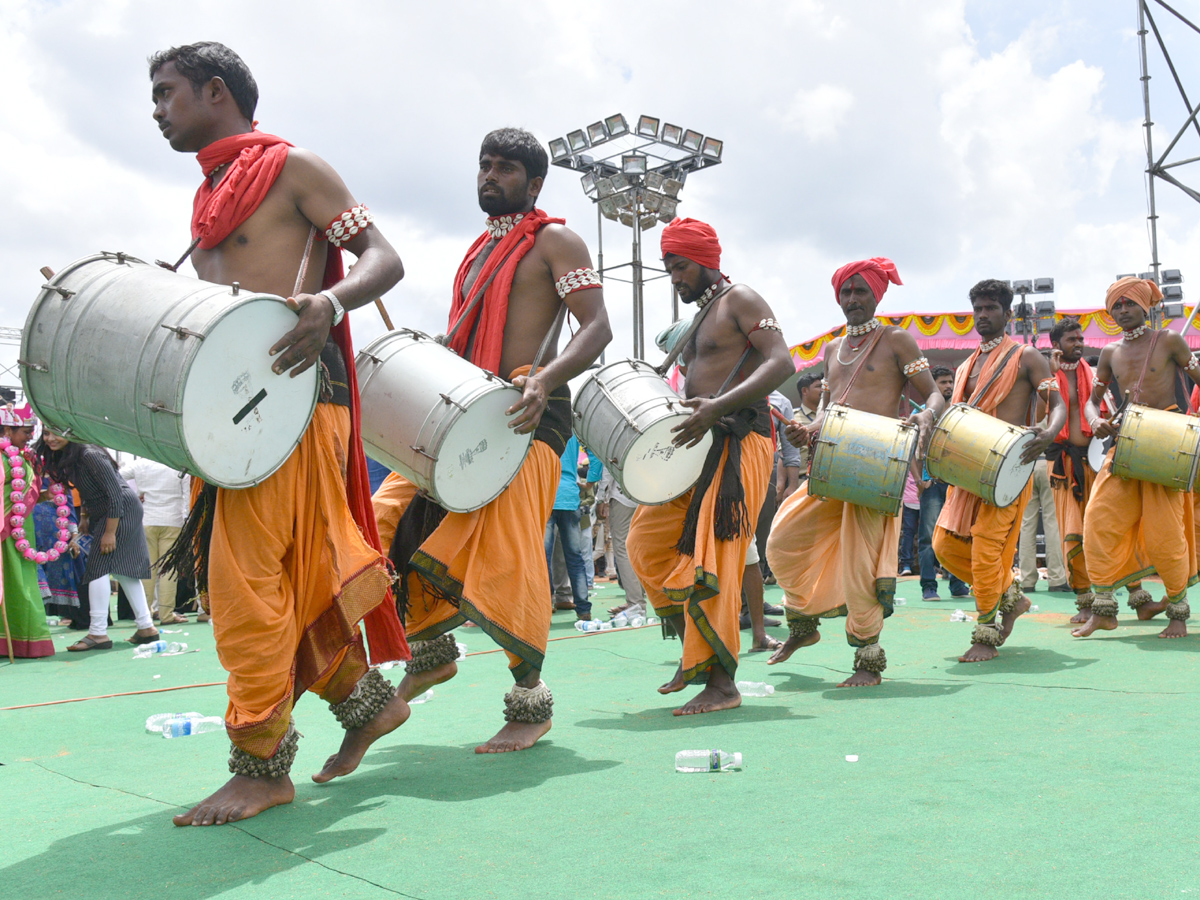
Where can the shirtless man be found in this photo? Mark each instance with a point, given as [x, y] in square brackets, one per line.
[488, 567]
[973, 539]
[827, 554]
[257, 210]
[1134, 525]
[690, 553]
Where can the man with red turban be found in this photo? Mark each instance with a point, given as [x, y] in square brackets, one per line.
[690, 553]
[1132, 526]
[293, 564]
[829, 555]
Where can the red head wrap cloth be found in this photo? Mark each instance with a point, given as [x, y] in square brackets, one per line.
[694, 240]
[877, 272]
[1142, 291]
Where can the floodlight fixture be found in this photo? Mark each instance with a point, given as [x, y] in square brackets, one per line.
[624, 200]
[626, 218]
[648, 221]
[616, 125]
[1126, 275]
[671, 134]
[671, 187]
[1023, 286]
[654, 180]
[578, 140]
[559, 150]
[651, 200]
[597, 132]
[1172, 310]
[647, 126]
[692, 140]
[1044, 308]
[1172, 276]
[608, 208]
[1172, 292]
[620, 182]
[634, 164]
[666, 208]
[589, 184]
[604, 188]
[1147, 276]
[1043, 285]
[711, 148]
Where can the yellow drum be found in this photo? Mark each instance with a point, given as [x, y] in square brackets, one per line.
[981, 454]
[1157, 446]
[862, 458]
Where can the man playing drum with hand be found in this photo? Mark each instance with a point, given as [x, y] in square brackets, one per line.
[690, 553]
[289, 573]
[829, 555]
[488, 566]
[1132, 525]
[974, 539]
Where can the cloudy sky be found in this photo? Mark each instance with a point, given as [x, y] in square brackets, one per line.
[963, 138]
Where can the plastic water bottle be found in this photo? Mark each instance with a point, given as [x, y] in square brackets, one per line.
[157, 648]
[588, 625]
[154, 724]
[899, 601]
[605, 626]
[755, 689]
[182, 726]
[959, 616]
[637, 622]
[462, 649]
[620, 620]
[706, 761]
[422, 698]
[653, 620]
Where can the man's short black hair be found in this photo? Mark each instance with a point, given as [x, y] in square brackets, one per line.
[1093, 361]
[1062, 326]
[941, 372]
[520, 146]
[993, 289]
[807, 380]
[200, 63]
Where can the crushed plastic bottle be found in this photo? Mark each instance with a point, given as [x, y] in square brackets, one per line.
[159, 648]
[706, 761]
[1033, 608]
[183, 726]
[959, 616]
[620, 620]
[755, 689]
[588, 625]
[462, 649]
[422, 698]
[154, 724]
[605, 626]
[899, 601]
[637, 622]
[653, 620]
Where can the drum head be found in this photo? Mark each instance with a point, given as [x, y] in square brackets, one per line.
[1013, 475]
[1096, 454]
[241, 421]
[657, 471]
[479, 454]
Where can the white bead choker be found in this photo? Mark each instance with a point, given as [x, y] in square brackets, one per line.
[1069, 367]
[499, 226]
[712, 291]
[865, 328]
[989, 346]
[1136, 333]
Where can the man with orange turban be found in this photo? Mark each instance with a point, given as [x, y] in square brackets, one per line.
[975, 540]
[831, 556]
[690, 553]
[1134, 526]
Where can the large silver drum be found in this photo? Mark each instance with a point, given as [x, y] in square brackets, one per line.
[135, 357]
[624, 413]
[438, 420]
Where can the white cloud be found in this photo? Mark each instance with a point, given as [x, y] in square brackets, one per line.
[817, 113]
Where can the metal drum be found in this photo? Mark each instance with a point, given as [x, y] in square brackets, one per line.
[1096, 453]
[862, 458]
[1157, 446]
[438, 420]
[981, 454]
[624, 413]
[135, 357]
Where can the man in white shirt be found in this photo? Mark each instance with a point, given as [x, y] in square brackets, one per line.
[619, 510]
[165, 495]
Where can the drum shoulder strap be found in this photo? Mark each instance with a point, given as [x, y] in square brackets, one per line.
[979, 393]
[682, 343]
[1137, 388]
[869, 349]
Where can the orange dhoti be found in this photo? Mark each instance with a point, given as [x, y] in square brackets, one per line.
[1134, 528]
[831, 558]
[983, 556]
[290, 577]
[487, 566]
[706, 585]
[1069, 510]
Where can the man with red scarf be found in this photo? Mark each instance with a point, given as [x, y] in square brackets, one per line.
[488, 567]
[292, 564]
[690, 553]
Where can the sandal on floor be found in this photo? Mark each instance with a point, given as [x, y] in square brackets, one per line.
[143, 638]
[174, 619]
[87, 642]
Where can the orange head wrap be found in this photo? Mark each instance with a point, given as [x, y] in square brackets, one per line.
[694, 240]
[877, 272]
[1142, 291]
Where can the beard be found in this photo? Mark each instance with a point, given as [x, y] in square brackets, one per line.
[498, 204]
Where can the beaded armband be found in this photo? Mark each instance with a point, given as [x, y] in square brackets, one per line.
[1047, 384]
[920, 364]
[767, 325]
[1097, 383]
[579, 280]
[344, 228]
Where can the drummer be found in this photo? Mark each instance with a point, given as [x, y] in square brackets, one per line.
[828, 555]
[974, 539]
[690, 554]
[1132, 525]
[488, 567]
[289, 573]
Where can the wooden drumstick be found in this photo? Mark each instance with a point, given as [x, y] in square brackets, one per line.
[387, 320]
[780, 416]
[47, 272]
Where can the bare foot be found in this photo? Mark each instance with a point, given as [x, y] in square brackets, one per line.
[1176, 628]
[1009, 619]
[714, 697]
[862, 678]
[1080, 617]
[1096, 623]
[240, 798]
[415, 685]
[979, 653]
[515, 736]
[1148, 611]
[765, 642]
[791, 645]
[675, 684]
[358, 740]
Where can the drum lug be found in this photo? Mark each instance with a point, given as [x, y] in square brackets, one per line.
[450, 402]
[373, 358]
[61, 291]
[37, 367]
[421, 450]
[158, 407]
[181, 332]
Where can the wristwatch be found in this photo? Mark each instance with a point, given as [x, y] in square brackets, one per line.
[339, 312]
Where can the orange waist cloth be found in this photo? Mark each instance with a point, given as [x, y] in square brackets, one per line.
[1070, 513]
[707, 586]
[290, 577]
[830, 556]
[486, 566]
[1134, 528]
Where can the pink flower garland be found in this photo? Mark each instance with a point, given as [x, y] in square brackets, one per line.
[58, 496]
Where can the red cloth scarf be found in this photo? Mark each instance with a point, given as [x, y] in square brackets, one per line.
[488, 318]
[877, 272]
[256, 161]
[215, 215]
[1083, 384]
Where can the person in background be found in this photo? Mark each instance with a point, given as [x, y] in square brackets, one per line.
[618, 511]
[809, 385]
[564, 519]
[164, 493]
[933, 498]
[909, 524]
